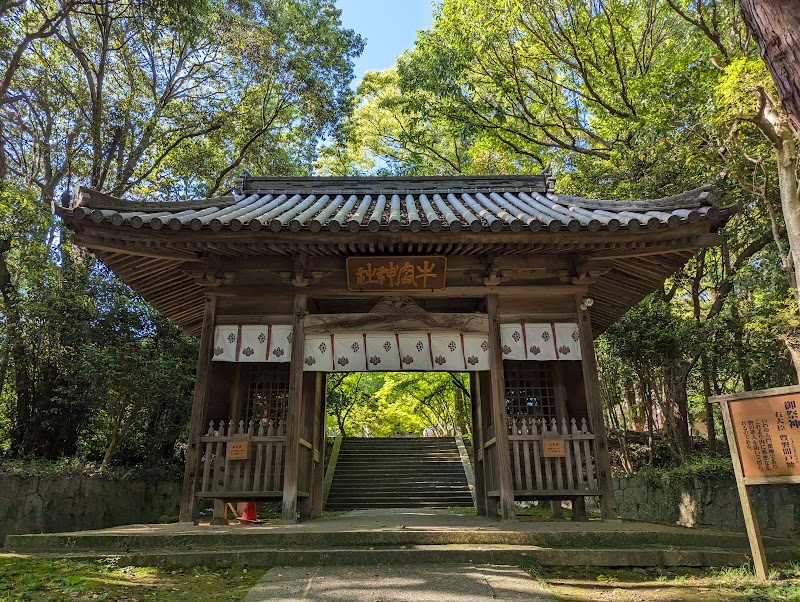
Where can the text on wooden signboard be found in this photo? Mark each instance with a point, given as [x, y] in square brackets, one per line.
[768, 435]
[553, 448]
[238, 449]
[396, 273]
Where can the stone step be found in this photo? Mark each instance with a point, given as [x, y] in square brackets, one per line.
[592, 535]
[387, 473]
[400, 498]
[400, 486]
[435, 554]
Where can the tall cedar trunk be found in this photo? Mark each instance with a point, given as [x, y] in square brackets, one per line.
[710, 420]
[775, 26]
[677, 374]
[792, 342]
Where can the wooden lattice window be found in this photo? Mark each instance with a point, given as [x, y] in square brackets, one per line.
[530, 389]
[267, 391]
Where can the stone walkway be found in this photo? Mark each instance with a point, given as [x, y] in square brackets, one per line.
[410, 583]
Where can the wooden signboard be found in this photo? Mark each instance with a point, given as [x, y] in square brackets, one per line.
[763, 429]
[238, 449]
[553, 448]
[767, 436]
[396, 273]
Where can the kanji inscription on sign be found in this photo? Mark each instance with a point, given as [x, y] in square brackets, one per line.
[768, 435]
[238, 449]
[553, 448]
[396, 273]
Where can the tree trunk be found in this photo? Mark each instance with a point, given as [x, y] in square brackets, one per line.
[710, 421]
[775, 26]
[676, 374]
[792, 342]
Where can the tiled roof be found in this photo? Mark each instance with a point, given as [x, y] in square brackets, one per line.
[476, 204]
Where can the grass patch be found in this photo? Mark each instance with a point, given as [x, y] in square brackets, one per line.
[40, 580]
[463, 510]
[584, 584]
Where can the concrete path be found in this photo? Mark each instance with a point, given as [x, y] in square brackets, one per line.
[410, 583]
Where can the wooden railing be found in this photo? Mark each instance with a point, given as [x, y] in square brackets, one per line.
[260, 475]
[535, 475]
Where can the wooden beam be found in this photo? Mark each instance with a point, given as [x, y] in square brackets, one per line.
[294, 412]
[133, 249]
[321, 323]
[197, 424]
[497, 392]
[455, 292]
[594, 409]
[258, 319]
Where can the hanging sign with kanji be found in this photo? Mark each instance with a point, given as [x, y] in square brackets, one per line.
[768, 435]
[396, 273]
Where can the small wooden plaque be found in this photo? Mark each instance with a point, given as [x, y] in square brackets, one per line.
[553, 448]
[238, 450]
[396, 273]
[768, 435]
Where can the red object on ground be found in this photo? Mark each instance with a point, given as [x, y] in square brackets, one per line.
[249, 513]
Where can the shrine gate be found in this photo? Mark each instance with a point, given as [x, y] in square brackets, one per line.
[289, 279]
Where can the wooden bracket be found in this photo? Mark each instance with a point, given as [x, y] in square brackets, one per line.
[298, 277]
[208, 273]
[493, 275]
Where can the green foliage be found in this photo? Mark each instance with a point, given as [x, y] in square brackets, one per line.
[157, 99]
[709, 469]
[51, 579]
[381, 404]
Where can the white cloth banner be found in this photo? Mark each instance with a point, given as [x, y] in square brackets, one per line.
[225, 343]
[476, 351]
[568, 341]
[383, 351]
[415, 351]
[391, 351]
[252, 343]
[349, 352]
[512, 341]
[318, 353]
[540, 342]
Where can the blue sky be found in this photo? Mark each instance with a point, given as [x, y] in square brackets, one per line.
[389, 26]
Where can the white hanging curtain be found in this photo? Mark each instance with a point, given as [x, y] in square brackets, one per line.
[540, 342]
[394, 351]
[252, 343]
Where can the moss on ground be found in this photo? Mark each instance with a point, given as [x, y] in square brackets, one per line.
[40, 580]
[585, 584]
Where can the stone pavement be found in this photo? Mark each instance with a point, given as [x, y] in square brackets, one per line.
[409, 583]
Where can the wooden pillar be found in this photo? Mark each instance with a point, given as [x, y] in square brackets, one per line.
[197, 424]
[484, 386]
[294, 412]
[498, 398]
[237, 395]
[477, 443]
[594, 409]
[319, 446]
[306, 466]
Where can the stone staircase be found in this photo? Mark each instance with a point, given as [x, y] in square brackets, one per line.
[399, 473]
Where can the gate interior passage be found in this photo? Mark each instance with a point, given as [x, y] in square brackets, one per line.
[290, 279]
